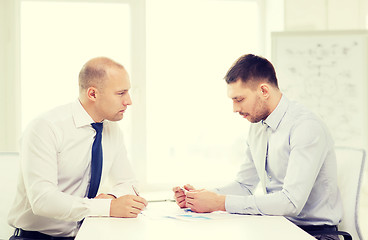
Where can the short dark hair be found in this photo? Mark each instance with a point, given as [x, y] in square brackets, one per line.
[253, 68]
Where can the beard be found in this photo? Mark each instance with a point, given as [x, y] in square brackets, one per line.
[261, 112]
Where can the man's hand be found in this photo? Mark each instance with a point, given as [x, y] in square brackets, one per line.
[205, 201]
[127, 206]
[105, 196]
[180, 194]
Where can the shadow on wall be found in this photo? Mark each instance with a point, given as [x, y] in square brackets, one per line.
[8, 182]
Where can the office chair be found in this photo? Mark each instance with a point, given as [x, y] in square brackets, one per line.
[350, 169]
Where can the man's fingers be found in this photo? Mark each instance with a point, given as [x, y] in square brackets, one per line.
[191, 194]
[188, 187]
[191, 206]
[133, 215]
[135, 210]
[180, 197]
[176, 189]
[190, 201]
[138, 205]
[140, 200]
[179, 193]
[180, 200]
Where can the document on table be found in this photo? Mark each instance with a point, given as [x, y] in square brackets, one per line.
[172, 211]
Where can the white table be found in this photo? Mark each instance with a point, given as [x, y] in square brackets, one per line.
[159, 222]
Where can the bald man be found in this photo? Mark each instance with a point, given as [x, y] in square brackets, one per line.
[53, 194]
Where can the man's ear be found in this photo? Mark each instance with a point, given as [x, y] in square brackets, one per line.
[92, 93]
[264, 89]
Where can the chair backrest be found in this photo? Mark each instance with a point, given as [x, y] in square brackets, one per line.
[350, 169]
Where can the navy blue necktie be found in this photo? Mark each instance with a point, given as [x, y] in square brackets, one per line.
[96, 162]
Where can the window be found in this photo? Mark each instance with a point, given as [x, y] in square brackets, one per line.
[192, 133]
[181, 126]
[57, 38]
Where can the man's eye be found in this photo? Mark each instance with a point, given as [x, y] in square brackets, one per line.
[239, 100]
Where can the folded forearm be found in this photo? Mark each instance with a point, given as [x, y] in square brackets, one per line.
[234, 188]
[270, 204]
[58, 205]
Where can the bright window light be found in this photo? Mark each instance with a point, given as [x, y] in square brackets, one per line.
[192, 134]
[57, 38]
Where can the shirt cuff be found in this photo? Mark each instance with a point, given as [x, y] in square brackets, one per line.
[241, 204]
[99, 207]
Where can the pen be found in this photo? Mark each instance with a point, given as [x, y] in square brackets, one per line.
[162, 200]
[135, 190]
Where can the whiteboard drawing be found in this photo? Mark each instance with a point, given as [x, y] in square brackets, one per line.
[327, 72]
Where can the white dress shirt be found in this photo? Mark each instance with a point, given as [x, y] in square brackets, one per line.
[55, 159]
[300, 172]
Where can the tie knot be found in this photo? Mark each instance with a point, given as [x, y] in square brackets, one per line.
[97, 126]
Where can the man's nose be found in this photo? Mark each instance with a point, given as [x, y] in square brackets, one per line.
[236, 108]
[128, 100]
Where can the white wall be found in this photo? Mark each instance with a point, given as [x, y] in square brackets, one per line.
[9, 78]
[274, 21]
[9, 175]
[312, 15]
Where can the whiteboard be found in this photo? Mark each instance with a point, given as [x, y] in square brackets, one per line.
[327, 72]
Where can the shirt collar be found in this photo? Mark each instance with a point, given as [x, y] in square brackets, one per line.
[80, 115]
[274, 119]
